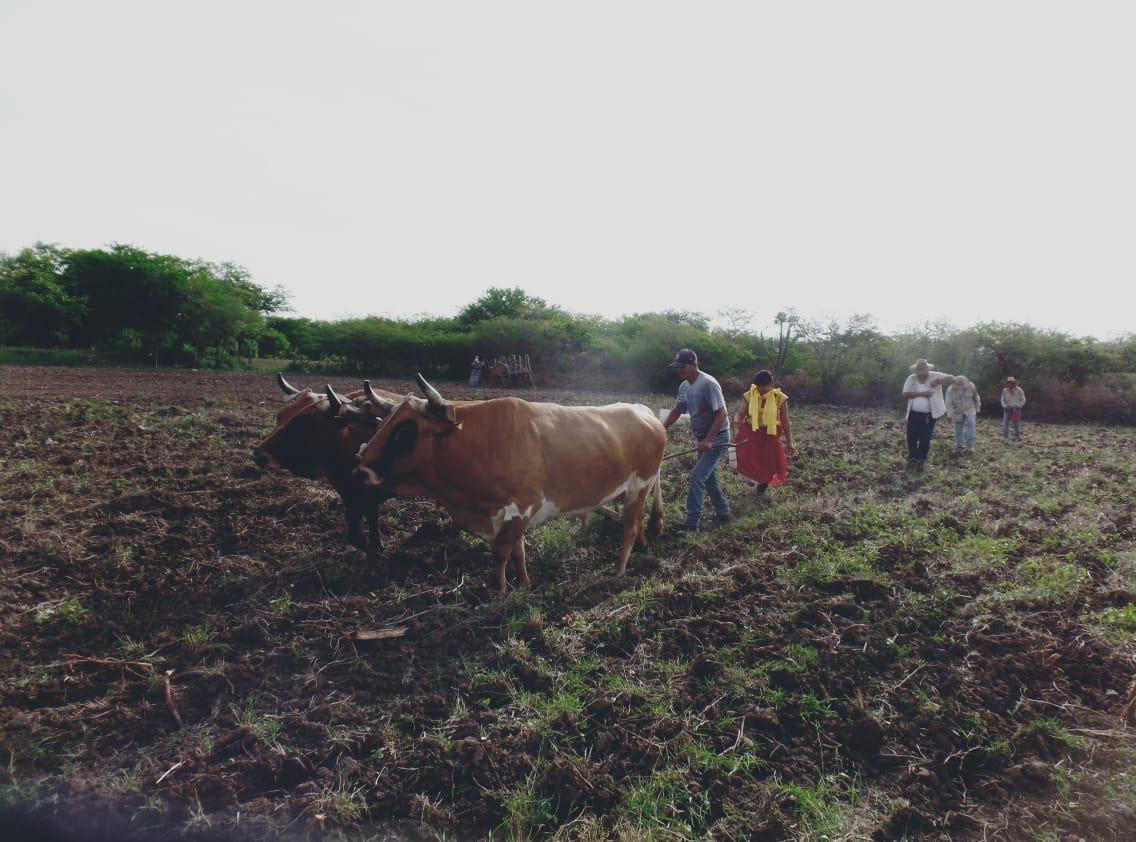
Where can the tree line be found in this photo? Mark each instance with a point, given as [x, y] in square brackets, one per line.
[126, 304]
[132, 305]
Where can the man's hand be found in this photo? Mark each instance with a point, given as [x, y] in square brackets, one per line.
[705, 445]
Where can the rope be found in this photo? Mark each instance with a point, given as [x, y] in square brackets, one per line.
[695, 450]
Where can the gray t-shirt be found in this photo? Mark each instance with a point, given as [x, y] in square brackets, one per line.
[702, 399]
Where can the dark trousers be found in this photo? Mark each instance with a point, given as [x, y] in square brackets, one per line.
[920, 430]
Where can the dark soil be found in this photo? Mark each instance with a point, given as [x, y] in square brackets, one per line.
[187, 643]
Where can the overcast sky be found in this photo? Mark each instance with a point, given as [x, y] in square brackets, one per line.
[964, 162]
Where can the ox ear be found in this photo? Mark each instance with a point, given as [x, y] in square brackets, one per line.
[355, 413]
[382, 406]
[286, 387]
[439, 406]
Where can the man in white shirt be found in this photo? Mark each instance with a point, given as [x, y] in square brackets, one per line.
[925, 405]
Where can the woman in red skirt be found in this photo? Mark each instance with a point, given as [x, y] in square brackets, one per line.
[762, 419]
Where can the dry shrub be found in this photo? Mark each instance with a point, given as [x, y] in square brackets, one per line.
[800, 386]
[1109, 399]
[733, 387]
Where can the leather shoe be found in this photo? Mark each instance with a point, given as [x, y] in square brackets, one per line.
[722, 520]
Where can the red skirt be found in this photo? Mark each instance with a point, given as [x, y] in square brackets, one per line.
[761, 457]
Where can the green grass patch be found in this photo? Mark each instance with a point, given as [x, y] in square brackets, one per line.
[67, 612]
[552, 541]
[664, 805]
[980, 553]
[1116, 624]
[830, 564]
[15, 355]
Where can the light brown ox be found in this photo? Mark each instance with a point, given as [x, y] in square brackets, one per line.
[500, 466]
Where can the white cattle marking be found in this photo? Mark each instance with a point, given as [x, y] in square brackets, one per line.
[548, 509]
[509, 512]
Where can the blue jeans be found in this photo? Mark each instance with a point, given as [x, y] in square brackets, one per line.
[704, 478]
[1006, 422]
[964, 431]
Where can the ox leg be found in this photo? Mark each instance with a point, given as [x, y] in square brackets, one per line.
[375, 537]
[519, 560]
[354, 530]
[632, 529]
[511, 534]
[655, 524]
[353, 512]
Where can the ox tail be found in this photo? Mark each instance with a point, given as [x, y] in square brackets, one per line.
[655, 524]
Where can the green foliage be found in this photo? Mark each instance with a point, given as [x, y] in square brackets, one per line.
[35, 305]
[134, 305]
[500, 303]
[126, 301]
[851, 357]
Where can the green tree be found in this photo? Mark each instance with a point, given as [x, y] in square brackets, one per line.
[216, 315]
[788, 332]
[129, 289]
[843, 350]
[255, 297]
[498, 302]
[35, 306]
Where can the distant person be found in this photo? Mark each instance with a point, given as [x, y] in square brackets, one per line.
[762, 419]
[963, 405]
[1013, 399]
[701, 396]
[924, 393]
[475, 371]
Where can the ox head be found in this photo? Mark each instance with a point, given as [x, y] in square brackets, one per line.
[408, 436]
[318, 434]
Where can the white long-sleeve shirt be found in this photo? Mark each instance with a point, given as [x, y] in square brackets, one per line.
[932, 400]
[1013, 400]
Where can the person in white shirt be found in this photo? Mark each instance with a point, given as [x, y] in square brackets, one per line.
[923, 390]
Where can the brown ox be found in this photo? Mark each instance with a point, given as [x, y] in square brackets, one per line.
[319, 436]
[499, 466]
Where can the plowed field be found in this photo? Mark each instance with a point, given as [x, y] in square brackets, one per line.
[188, 645]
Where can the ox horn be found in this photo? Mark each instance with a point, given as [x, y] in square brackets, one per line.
[336, 401]
[432, 394]
[286, 387]
[438, 405]
[380, 403]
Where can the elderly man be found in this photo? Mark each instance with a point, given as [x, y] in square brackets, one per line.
[1013, 399]
[923, 390]
[701, 396]
[963, 405]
